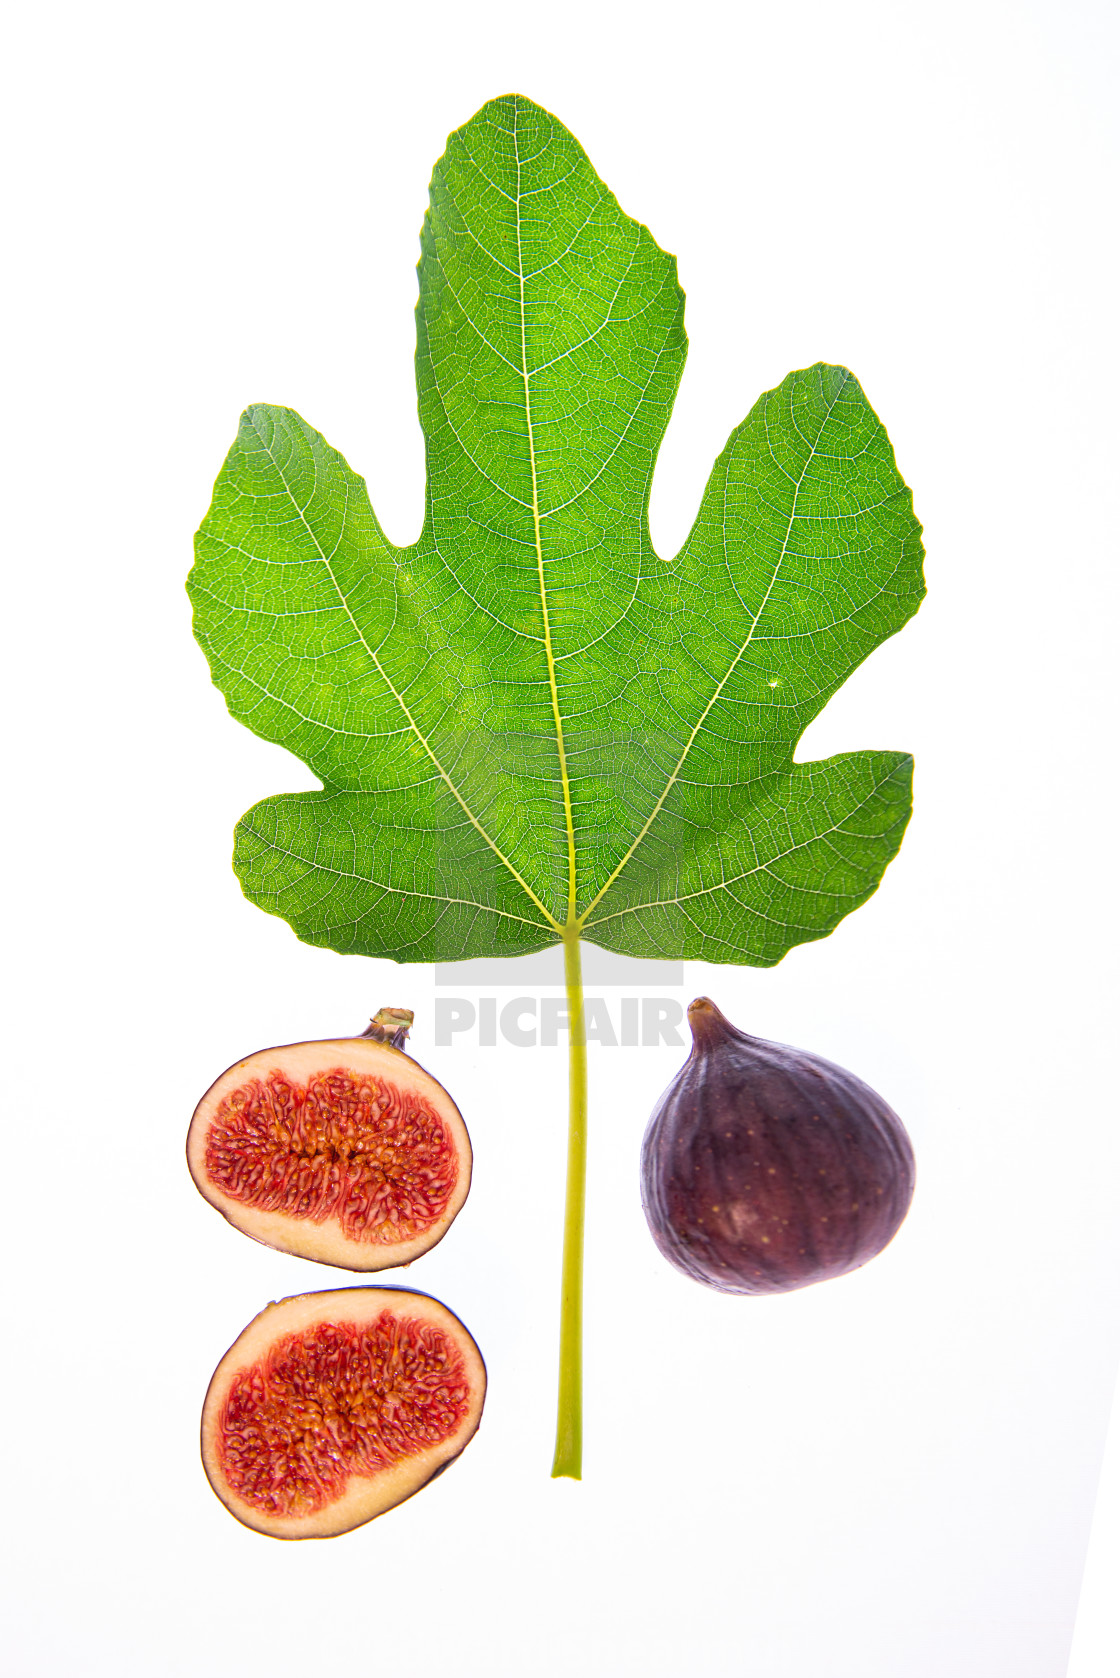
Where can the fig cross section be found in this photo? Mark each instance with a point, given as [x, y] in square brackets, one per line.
[344, 1151]
[331, 1408]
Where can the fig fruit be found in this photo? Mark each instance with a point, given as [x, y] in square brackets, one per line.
[344, 1151]
[331, 1408]
[765, 1169]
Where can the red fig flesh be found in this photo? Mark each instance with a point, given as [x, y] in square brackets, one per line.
[765, 1168]
[331, 1408]
[344, 1151]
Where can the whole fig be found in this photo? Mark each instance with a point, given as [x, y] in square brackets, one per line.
[765, 1168]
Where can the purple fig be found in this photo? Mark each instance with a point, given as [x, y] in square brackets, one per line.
[765, 1168]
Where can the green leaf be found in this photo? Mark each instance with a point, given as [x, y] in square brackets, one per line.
[529, 720]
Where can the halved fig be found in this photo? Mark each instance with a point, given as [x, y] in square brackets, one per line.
[344, 1151]
[331, 1408]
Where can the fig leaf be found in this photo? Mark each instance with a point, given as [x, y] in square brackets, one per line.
[528, 720]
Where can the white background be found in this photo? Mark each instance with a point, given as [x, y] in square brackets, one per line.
[891, 1476]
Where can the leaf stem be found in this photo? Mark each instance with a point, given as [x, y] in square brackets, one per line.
[568, 1460]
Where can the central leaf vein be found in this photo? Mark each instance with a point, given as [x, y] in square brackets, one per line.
[565, 783]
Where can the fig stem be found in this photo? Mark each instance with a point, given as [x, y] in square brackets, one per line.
[568, 1460]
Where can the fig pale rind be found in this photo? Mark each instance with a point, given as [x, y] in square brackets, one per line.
[343, 1151]
[332, 1408]
[765, 1168]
